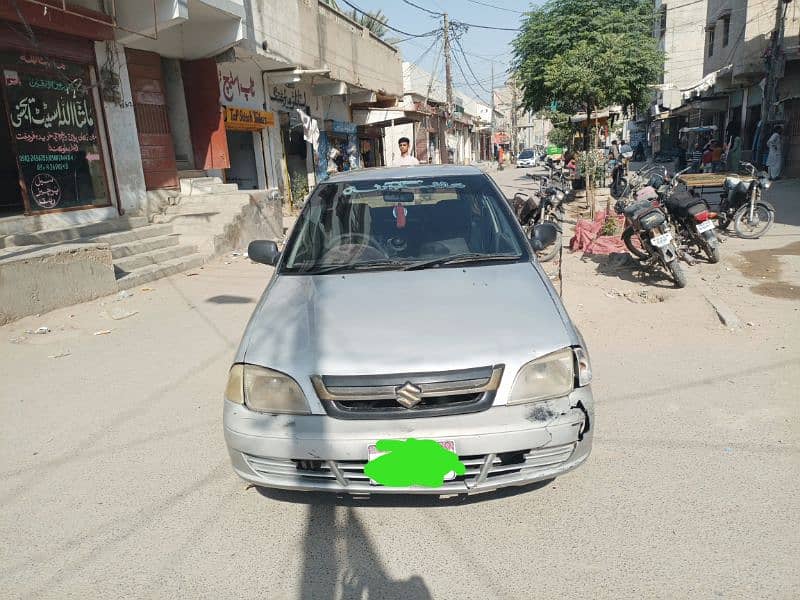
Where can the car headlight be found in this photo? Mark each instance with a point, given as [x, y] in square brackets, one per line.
[551, 376]
[265, 390]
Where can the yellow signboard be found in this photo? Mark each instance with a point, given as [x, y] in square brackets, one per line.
[248, 119]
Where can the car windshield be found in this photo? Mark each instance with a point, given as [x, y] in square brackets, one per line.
[410, 223]
[526, 154]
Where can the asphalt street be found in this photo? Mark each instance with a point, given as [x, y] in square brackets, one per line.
[116, 482]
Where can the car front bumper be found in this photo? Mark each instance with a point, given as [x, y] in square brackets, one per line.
[503, 446]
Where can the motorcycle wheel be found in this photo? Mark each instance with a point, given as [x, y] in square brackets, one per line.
[712, 253]
[634, 244]
[749, 229]
[551, 251]
[678, 274]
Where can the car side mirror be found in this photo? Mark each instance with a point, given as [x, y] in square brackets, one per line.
[544, 234]
[264, 251]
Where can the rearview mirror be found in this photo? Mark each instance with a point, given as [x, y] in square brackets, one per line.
[544, 234]
[264, 251]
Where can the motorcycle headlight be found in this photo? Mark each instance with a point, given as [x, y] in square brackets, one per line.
[551, 376]
[265, 390]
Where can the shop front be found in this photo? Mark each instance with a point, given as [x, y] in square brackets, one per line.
[370, 146]
[52, 155]
[244, 129]
[246, 123]
[339, 149]
[286, 100]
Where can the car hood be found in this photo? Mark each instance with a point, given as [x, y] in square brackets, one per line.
[405, 321]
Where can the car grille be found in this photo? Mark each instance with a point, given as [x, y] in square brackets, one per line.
[408, 395]
[351, 473]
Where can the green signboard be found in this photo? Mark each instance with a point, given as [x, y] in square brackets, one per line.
[54, 132]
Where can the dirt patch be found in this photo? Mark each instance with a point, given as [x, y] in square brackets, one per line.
[764, 264]
[637, 297]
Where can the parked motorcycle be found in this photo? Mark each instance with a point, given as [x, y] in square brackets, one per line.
[543, 207]
[647, 234]
[742, 204]
[690, 217]
[619, 170]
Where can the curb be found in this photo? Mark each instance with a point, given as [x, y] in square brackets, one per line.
[724, 312]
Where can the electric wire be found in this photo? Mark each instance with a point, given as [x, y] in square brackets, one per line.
[511, 10]
[411, 35]
[422, 8]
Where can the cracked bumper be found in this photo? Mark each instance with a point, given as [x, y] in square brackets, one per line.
[503, 446]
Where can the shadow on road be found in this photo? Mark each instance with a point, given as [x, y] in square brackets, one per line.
[230, 300]
[355, 573]
[631, 271]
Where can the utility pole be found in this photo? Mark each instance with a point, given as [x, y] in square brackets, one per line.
[514, 141]
[491, 142]
[448, 85]
[776, 64]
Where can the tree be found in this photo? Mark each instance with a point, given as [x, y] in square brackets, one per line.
[375, 21]
[585, 54]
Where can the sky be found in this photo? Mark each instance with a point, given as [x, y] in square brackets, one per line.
[489, 45]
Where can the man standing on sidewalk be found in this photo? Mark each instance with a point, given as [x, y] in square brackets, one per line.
[405, 159]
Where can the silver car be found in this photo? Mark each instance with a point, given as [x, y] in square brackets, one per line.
[407, 304]
[527, 158]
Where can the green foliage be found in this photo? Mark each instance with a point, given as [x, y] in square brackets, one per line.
[609, 226]
[563, 132]
[587, 53]
[299, 185]
[375, 21]
[591, 166]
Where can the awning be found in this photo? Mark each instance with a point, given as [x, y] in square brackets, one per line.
[706, 83]
[701, 129]
[379, 117]
[599, 116]
[713, 104]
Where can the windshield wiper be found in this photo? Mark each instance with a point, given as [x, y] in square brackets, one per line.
[461, 259]
[367, 266]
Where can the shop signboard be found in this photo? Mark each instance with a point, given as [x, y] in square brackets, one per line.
[554, 151]
[53, 125]
[240, 85]
[344, 127]
[248, 119]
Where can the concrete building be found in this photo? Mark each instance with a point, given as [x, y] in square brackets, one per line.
[176, 117]
[421, 116]
[679, 28]
[728, 94]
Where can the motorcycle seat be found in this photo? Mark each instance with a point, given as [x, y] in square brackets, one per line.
[683, 204]
[636, 209]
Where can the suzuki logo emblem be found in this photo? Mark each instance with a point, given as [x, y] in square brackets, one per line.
[409, 395]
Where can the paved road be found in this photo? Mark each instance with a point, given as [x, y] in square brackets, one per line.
[116, 483]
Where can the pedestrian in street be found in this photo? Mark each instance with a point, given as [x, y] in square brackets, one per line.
[707, 159]
[697, 157]
[734, 155]
[775, 156]
[716, 156]
[405, 159]
[613, 152]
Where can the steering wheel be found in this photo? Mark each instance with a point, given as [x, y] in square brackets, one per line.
[362, 246]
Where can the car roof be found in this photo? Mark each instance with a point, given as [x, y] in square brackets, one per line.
[403, 172]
